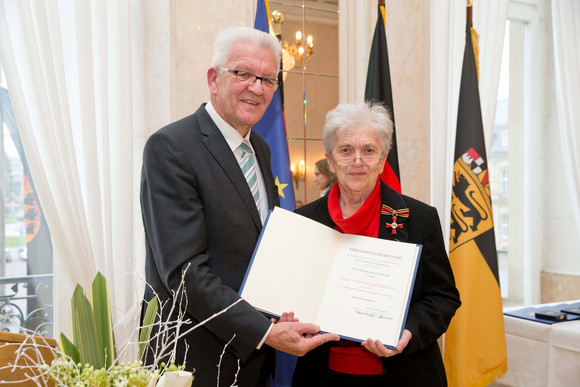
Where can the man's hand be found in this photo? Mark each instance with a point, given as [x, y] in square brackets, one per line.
[376, 347]
[297, 338]
[285, 317]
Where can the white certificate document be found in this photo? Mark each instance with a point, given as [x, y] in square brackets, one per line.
[356, 286]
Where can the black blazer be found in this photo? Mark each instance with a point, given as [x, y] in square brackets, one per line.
[433, 302]
[200, 217]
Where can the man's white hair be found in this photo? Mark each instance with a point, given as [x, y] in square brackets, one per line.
[228, 37]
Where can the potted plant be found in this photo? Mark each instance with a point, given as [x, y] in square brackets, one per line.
[90, 358]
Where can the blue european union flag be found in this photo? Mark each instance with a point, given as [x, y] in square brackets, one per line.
[272, 128]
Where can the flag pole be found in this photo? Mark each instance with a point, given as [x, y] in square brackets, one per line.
[470, 13]
[474, 35]
[277, 18]
[382, 10]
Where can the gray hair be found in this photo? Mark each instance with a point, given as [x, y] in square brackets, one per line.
[355, 115]
[227, 38]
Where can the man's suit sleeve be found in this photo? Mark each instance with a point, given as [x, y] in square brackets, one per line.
[176, 234]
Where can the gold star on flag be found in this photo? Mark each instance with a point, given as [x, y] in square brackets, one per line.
[280, 187]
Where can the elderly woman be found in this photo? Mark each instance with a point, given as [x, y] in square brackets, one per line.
[357, 139]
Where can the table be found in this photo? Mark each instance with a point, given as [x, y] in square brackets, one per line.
[541, 354]
[9, 342]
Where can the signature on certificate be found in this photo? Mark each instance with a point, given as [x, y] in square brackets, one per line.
[372, 313]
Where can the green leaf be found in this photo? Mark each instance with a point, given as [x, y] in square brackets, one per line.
[148, 321]
[103, 320]
[84, 330]
[69, 349]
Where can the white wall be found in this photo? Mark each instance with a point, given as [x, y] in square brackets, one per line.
[178, 49]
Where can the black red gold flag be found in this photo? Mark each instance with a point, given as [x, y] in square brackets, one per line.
[475, 349]
[378, 89]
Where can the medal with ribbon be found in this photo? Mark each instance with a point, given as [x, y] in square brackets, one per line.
[396, 214]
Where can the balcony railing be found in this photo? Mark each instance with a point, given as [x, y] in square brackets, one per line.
[26, 304]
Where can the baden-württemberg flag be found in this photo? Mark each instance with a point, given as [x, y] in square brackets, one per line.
[272, 128]
[378, 88]
[475, 349]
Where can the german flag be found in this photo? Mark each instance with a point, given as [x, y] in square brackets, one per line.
[475, 349]
[378, 89]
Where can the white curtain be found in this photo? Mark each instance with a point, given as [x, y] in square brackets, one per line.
[489, 20]
[448, 21]
[566, 26]
[71, 69]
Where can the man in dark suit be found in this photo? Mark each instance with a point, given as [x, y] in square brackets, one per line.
[203, 218]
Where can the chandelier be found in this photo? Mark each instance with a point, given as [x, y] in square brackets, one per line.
[294, 54]
[300, 50]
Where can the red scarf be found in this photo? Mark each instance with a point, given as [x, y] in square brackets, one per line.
[365, 221]
[346, 356]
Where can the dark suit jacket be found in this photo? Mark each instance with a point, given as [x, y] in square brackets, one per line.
[433, 302]
[200, 217]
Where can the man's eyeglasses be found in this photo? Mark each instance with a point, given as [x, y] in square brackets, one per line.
[350, 160]
[249, 79]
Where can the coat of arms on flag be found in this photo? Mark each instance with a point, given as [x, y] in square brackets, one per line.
[471, 213]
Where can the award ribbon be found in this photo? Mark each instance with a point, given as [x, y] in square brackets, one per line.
[402, 213]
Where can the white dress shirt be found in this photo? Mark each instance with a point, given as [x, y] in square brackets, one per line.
[234, 139]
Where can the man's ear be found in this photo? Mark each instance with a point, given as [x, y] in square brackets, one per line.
[212, 75]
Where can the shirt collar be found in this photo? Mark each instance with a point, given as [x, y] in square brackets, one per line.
[232, 136]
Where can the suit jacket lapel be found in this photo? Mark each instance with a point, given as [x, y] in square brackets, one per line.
[218, 147]
[264, 169]
[395, 200]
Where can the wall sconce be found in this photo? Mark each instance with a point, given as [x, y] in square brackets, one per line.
[298, 172]
[295, 54]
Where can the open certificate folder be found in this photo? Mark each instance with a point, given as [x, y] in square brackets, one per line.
[356, 286]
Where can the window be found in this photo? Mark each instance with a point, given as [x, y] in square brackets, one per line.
[514, 157]
[26, 257]
[504, 182]
[504, 227]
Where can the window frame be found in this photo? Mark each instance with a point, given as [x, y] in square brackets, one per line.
[528, 13]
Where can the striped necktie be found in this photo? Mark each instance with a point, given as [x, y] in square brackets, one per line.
[248, 165]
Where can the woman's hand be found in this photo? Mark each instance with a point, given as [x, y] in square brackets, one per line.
[376, 347]
[285, 317]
